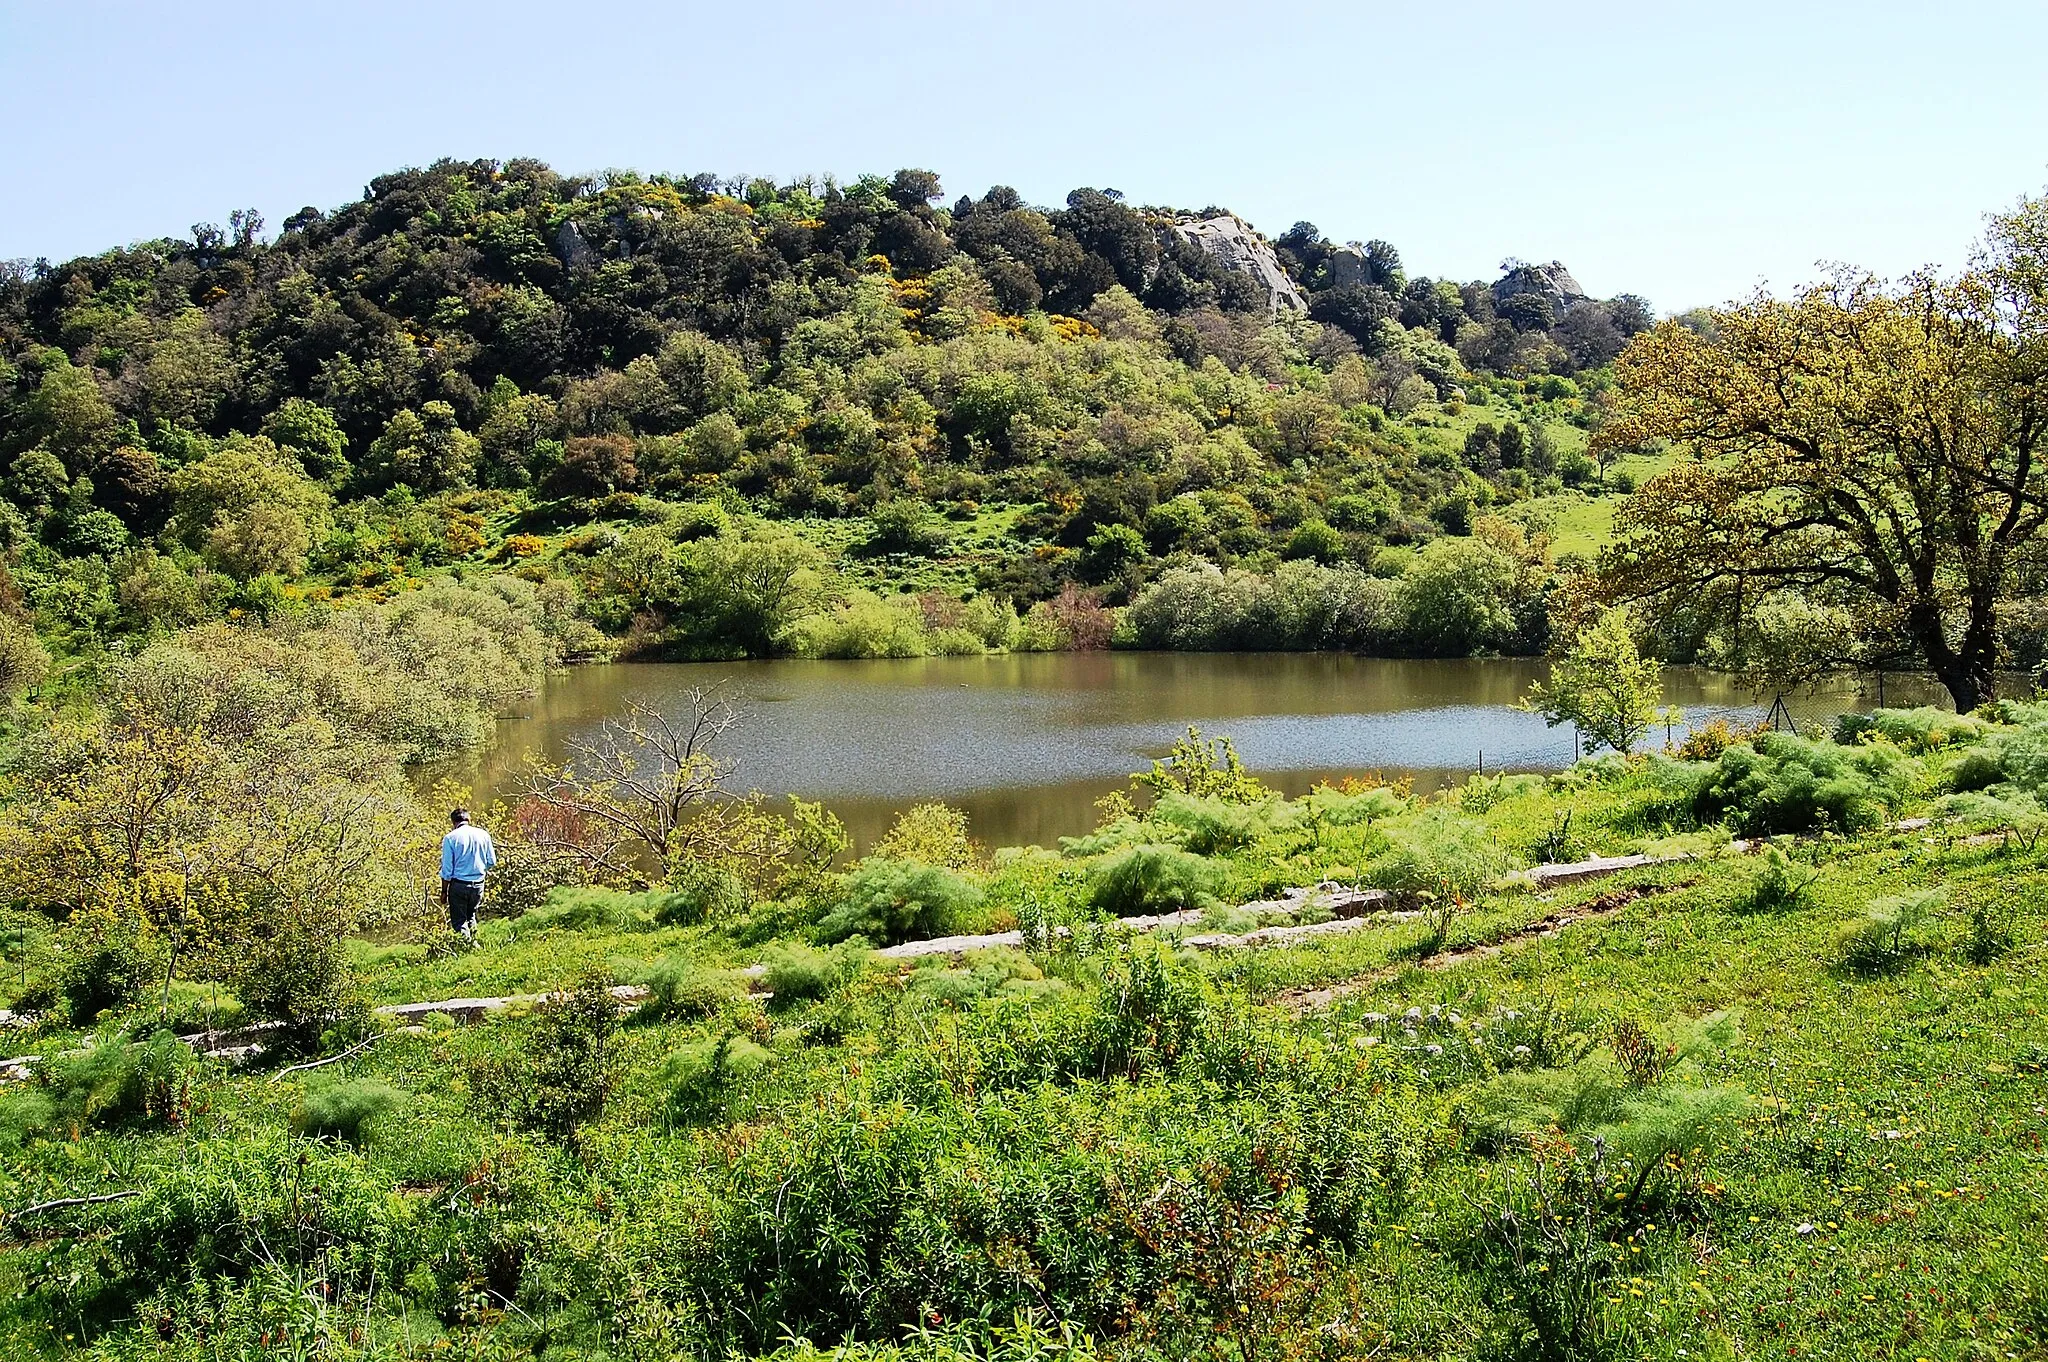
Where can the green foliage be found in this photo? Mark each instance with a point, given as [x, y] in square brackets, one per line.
[1602, 685]
[1888, 931]
[1152, 879]
[1443, 853]
[700, 1077]
[1922, 730]
[1334, 808]
[563, 1076]
[700, 892]
[1779, 882]
[1209, 825]
[120, 1083]
[1206, 768]
[680, 987]
[866, 626]
[886, 901]
[1300, 605]
[795, 973]
[1789, 784]
[932, 834]
[1994, 926]
[342, 1107]
[2018, 816]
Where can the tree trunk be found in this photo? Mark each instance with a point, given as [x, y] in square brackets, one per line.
[1969, 671]
[1969, 681]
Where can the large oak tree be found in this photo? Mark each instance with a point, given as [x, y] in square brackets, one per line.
[1872, 445]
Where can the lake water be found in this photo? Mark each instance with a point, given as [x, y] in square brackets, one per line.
[1027, 742]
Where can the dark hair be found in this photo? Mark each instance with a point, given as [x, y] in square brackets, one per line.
[458, 816]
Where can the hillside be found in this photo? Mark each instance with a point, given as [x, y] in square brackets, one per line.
[667, 392]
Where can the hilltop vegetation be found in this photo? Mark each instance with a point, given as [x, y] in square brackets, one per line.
[730, 413]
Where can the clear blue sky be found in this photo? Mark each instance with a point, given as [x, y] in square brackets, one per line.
[1685, 158]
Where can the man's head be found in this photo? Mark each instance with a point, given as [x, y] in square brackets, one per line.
[457, 818]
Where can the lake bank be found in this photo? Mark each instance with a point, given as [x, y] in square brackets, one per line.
[1026, 742]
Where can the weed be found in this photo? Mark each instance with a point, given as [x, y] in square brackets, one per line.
[342, 1107]
[887, 901]
[564, 1074]
[1779, 883]
[798, 973]
[1885, 935]
[1153, 879]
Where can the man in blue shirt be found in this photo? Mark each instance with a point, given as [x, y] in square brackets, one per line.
[466, 853]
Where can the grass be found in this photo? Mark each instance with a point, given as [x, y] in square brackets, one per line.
[1099, 1129]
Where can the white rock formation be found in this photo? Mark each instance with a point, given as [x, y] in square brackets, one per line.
[1231, 242]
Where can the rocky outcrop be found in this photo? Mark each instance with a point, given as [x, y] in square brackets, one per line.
[1231, 243]
[1553, 281]
[571, 248]
[1345, 266]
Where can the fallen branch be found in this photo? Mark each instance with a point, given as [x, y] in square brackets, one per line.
[64, 1202]
[365, 1043]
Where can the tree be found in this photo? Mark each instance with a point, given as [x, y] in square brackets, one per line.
[623, 803]
[1603, 685]
[24, 662]
[311, 433]
[1876, 443]
[424, 450]
[248, 508]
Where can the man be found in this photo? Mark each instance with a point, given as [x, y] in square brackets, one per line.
[466, 853]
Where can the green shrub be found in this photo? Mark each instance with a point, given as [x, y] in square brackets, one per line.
[678, 986]
[982, 974]
[1994, 925]
[1925, 729]
[797, 973]
[1788, 784]
[2017, 815]
[103, 963]
[700, 1076]
[1334, 808]
[1778, 884]
[1977, 768]
[592, 908]
[562, 1076]
[1441, 852]
[115, 1083]
[1122, 832]
[1206, 767]
[1152, 879]
[698, 892]
[934, 834]
[342, 1107]
[1886, 933]
[866, 626]
[194, 1006]
[888, 901]
[2023, 757]
[1208, 825]
[26, 1112]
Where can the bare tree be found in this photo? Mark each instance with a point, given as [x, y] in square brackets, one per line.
[624, 796]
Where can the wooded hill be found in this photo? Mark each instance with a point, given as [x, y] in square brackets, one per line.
[477, 356]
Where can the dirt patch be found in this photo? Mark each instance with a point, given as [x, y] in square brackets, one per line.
[1599, 906]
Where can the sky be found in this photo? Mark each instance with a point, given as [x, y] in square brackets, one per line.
[1688, 157]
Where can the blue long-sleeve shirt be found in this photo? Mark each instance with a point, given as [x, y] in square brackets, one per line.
[466, 853]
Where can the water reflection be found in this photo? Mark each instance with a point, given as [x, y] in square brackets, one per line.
[1027, 742]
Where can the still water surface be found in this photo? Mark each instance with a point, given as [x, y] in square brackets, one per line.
[1026, 743]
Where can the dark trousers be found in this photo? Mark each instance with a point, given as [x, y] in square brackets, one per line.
[463, 900]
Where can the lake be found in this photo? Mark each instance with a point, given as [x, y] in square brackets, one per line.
[1026, 742]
